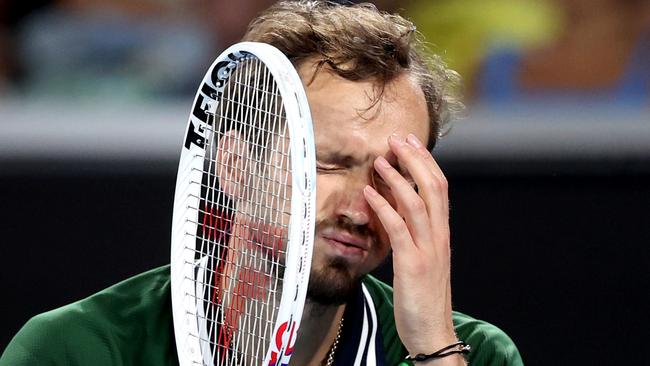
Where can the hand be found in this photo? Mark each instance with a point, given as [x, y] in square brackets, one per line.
[418, 230]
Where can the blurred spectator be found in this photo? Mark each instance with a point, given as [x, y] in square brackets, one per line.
[5, 47]
[90, 48]
[463, 31]
[11, 14]
[119, 48]
[602, 54]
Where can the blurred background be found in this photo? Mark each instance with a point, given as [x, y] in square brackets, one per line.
[549, 170]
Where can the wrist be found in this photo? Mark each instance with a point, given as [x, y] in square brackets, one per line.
[427, 344]
[453, 360]
[452, 354]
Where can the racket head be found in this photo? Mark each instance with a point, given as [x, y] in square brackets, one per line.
[205, 272]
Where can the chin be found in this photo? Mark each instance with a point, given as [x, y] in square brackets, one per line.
[333, 284]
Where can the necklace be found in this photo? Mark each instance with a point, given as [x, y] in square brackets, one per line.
[330, 356]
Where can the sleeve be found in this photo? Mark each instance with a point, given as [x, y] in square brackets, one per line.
[490, 345]
[52, 339]
[32, 345]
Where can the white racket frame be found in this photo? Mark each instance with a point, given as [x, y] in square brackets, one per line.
[303, 198]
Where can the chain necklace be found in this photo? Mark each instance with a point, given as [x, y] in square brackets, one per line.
[330, 356]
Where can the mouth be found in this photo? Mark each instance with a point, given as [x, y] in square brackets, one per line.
[346, 244]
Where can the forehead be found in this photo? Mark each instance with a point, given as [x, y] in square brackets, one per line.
[348, 115]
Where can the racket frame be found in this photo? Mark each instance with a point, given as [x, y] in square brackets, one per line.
[188, 192]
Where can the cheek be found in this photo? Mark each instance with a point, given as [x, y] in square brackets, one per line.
[327, 188]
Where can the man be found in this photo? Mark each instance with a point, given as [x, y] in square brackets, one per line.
[378, 110]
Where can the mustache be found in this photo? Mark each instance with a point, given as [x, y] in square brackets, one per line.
[345, 224]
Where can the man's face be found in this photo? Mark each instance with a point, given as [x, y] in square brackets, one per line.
[350, 134]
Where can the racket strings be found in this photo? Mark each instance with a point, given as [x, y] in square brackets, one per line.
[243, 219]
[212, 287]
[268, 122]
[268, 242]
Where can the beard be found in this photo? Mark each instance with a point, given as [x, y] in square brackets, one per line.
[333, 284]
[335, 281]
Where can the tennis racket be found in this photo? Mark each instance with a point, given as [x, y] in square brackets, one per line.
[243, 222]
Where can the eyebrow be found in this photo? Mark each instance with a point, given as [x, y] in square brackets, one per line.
[335, 157]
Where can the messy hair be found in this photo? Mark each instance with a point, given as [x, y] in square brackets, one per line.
[359, 42]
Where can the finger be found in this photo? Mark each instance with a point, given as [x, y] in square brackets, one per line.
[432, 164]
[398, 233]
[430, 187]
[412, 140]
[416, 159]
[409, 202]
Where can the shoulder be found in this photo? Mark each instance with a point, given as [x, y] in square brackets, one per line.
[128, 317]
[490, 345]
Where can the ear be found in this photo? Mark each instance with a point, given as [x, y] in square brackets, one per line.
[233, 165]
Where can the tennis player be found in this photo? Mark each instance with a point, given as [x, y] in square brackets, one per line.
[378, 107]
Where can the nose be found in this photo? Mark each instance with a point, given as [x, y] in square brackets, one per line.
[353, 205]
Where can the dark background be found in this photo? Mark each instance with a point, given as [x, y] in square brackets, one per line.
[552, 251]
[550, 201]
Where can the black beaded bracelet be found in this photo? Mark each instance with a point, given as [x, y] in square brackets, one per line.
[452, 349]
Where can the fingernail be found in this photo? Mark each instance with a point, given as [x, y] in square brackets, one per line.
[382, 162]
[396, 139]
[370, 191]
[413, 141]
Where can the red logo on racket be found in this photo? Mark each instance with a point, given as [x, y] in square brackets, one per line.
[283, 337]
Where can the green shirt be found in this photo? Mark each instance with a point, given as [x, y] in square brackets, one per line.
[490, 345]
[131, 324]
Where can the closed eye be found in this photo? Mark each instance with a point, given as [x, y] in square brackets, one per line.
[334, 161]
[324, 168]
